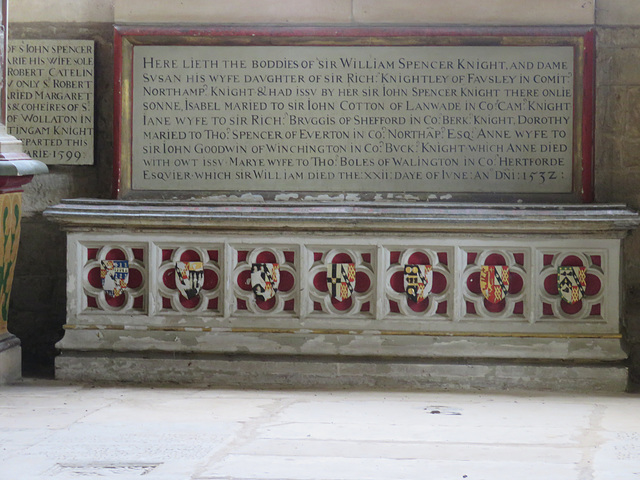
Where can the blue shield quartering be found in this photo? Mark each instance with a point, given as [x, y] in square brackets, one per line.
[114, 275]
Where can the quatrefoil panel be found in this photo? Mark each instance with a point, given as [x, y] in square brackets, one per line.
[205, 292]
[493, 284]
[437, 301]
[283, 299]
[591, 304]
[132, 298]
[329, 275]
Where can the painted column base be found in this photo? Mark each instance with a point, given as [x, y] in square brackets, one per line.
[10, 359]
[16, 170]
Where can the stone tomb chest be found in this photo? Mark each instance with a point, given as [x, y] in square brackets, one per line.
[348, 207]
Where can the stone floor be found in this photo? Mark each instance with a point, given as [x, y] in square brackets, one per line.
[50, 430]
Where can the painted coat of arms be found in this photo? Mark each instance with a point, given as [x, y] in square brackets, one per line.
[418, 280]
[494, 282]
[572, 283]
[341, 279]
[265, 278]
[114, 275]
[189, 278]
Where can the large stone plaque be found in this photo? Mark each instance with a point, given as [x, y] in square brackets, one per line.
[50, 86]
[415, 120]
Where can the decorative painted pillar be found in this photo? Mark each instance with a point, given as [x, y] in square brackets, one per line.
[16, 170]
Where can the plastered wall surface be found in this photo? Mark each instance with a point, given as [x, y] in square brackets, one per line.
[73, 11]
[617, 12]
[38, 304]
[496, 12]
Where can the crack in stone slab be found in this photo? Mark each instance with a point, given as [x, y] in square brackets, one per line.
[93, 470]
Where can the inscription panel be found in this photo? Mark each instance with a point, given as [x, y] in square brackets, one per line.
[50, 99]
[409, 119]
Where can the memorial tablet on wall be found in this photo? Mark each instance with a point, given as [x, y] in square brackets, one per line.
[50, 95]
[381, 114]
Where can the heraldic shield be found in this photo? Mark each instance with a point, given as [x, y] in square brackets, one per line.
[114, 275]
[572, 283]
[418, 280]
[265, 278]
[189, 278]
[494, 282]
[341, 279]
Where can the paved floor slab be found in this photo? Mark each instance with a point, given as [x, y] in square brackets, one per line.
[54, 430]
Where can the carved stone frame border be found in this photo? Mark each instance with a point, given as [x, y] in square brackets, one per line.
[581, 39]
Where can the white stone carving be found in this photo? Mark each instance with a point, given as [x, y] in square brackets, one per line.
[230, 335]
[94, 291]
[165, 273]
[361, 301]
[436, 296]
[594, 297]
[471, 273]
[240, 281]
[378, 302]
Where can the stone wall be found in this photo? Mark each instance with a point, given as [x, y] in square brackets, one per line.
[617, 169]
[38, 303]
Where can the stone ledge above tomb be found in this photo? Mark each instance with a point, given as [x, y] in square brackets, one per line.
[611, 220]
